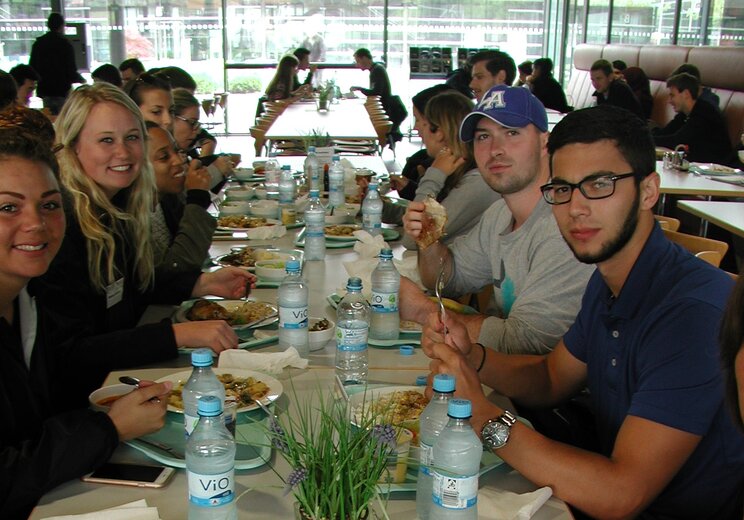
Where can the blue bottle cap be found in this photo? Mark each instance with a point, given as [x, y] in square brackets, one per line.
[335, 158]
[421, 380]
[444, 383]
[292, 265]
[286, 167]
[201, 357]
[310, 149]
[354, 284]
[314, 194]
[406, 350]
[209, 405]
[459, 408]
[373, 186]
[386, 253]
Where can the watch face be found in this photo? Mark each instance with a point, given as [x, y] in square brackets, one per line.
[495, 434]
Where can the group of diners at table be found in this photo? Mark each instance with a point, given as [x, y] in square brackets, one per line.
[591, 303]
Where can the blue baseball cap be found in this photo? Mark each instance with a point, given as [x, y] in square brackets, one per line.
[511, 107]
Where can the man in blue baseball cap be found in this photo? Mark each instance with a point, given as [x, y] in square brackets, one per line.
[516, 247]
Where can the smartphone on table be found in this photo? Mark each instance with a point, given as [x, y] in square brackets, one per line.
[137, 475]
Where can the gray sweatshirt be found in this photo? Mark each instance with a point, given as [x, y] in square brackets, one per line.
[537, 282]
[465, 203]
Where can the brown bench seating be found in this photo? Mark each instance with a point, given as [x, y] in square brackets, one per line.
[720, 68]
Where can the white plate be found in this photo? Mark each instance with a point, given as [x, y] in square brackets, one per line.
[716, 169]
[277, 254]
[275, 387]
[273, 223]
[362, 400]
[183, 309]
[346, 238]
[408, 327]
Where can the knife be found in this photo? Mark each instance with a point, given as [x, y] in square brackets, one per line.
[161, 446]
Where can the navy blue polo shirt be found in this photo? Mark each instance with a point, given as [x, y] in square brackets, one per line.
[653, 352]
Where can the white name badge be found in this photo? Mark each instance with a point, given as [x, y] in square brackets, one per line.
[114, 293]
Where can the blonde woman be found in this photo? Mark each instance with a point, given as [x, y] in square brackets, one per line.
[104, 275]
[453, 178]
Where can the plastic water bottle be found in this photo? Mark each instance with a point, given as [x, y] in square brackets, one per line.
[202, 382]
[315, 246]
[287, 186]
[457, 455]
[292, 301]
[431, 423]
[312, 169]
[385, 322]
[272, 173]
[352, 329]
[372, 211]
[336, 196]
[210, 465]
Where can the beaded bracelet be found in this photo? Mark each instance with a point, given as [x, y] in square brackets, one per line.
[483, 361]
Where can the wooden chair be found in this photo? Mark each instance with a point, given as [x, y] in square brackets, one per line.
[259, 136]
[670, 223]
[707, 249]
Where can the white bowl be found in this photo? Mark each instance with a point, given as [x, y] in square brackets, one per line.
[260, 193]
[243, 174]
[271, 270]
[318, 339]
[338, 217]
[267, 209]
[245, 193]
[234, 207]
[98, 398]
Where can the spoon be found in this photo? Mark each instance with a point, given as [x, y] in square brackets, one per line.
[129, 380]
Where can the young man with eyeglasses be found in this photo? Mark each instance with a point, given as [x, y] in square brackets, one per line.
[645, 344]
[516, 247]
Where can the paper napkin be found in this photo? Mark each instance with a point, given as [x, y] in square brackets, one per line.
[138, 510]
[497, 504]
[268, 362]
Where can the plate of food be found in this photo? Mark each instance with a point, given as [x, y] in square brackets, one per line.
[396, 405]
[240, 314]
[713, 169]
[342, 231]
[246, 386]
[243, 222]
[246, 257]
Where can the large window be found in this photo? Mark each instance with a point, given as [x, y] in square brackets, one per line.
[726, 23]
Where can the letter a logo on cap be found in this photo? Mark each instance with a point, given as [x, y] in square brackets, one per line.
[493, 100]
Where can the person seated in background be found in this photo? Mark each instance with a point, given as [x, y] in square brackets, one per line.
[515, 247]
[698, 125]
[105, 276]
[130, 69]
[181, 232]
[524, 70]
[40, 449]
[488, 69]
[732, 352]
[641, 87]
[407, 182]
[280, 86]
[546, 88]
[153, 96]
[618, 68]
[8, 90]
[612, 91]
[379, 82]
[453, 178]
[186, 132]
[26, 79]
[459, 80]
[109, 74]
[644, 342]
[303, 57]
[705, 94]
[30, 121]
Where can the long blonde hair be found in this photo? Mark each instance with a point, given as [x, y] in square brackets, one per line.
[89, 201]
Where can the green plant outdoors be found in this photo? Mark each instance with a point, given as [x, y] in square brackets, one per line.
[335, 464]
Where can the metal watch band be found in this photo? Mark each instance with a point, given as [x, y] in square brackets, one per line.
[507, 418]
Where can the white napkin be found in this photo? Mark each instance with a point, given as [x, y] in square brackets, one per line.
[263, 232]
[268, 362]
[368, 246]
[497, 504]
[137, 510]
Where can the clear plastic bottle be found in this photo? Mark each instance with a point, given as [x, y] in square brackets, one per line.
[372, 211]
[292, 301]
[312, 170]
[385, 322]
[202, 382]
[315, 246]
[210, 465]
[271, 177]
[287, 192]
[431, 423]
[336, 196]
[457, 456]
[352, 329]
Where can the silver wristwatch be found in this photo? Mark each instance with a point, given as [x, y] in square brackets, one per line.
[496, 431]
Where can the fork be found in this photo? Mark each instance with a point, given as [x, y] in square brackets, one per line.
[438, 286]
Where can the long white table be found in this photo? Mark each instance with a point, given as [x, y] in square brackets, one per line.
[265, 500]
[727, 215]
[674, 182]
[346, 120]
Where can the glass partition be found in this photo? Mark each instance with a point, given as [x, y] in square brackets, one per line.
[726, 23]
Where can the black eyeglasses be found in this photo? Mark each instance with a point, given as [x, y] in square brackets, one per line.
[599, 186]
[194, 123]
